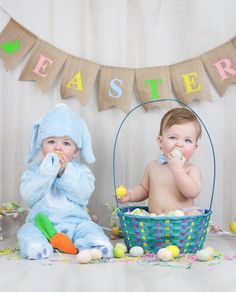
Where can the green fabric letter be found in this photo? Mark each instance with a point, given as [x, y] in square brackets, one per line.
[154, 86]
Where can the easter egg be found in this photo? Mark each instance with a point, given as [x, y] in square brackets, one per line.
[178, 213]
[203, 255]
[192, 212]
[170, 214]
[122, 246]
[84, 256]
[115, 230]
[232, 226]
[162, 215]
[120, 192]
[96, 254]
[176, 152]
[118, 252]
[152, 215]
[164, 255]
[210, 250]
[136, 251]
[174, 250]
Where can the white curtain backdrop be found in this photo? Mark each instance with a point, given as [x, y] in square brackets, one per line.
[124, 33]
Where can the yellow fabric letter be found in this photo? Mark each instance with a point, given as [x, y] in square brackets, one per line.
[77, 81]
[190, 82]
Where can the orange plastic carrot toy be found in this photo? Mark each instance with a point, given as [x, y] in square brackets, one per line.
[58, 240]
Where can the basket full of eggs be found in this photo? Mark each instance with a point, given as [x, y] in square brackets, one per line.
[186, 230]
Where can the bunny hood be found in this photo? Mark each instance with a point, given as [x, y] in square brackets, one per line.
[59, 122]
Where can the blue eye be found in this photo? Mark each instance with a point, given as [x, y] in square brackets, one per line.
[66, 143]
[188, 140]
[50, 141]
[172, 138]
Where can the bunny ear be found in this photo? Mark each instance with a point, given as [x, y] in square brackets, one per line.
[86, 143]
[35, 145]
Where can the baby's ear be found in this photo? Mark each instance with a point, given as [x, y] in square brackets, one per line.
[159, 139]
[76, 153]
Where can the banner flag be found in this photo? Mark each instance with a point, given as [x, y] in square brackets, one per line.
[15, 42]
[78, 78]
[115, 87]
[154, 83]
[43, 65]
[221, 66]
[189, 81]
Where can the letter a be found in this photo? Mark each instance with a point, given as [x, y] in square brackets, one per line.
[77, 81]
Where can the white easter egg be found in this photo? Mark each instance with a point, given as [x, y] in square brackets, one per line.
[162, 215]
[177, 153]
[164, 255]
[203, 255]
[178, 213]
[170, 214]
[210, 250]
[96, 254]
[84, 256]
[152, 215]
[136, 251]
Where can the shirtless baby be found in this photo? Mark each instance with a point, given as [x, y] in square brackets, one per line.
[172, 182]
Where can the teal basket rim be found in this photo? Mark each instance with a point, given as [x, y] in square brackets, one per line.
[200, 120]
[157, 218]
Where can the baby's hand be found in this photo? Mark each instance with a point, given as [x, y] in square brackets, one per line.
[175, 163]
[125, 198]
[121, 194]
[63, 161]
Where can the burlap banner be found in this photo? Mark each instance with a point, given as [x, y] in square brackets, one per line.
[221, 66]
[78, 78]
[115, 88]
[15, 42]
[43, 65]
[154, 83]
[188, 78]
[189, 81]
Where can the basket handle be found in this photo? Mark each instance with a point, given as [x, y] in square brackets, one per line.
[200, 120]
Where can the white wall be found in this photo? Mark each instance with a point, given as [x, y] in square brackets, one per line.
[126, 33]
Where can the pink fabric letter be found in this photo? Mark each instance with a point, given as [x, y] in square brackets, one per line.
[41, 66]
[224, 66]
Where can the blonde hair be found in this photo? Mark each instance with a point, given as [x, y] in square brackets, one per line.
[179, 116]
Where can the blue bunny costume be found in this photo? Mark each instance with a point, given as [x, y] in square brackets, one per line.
[62, 199]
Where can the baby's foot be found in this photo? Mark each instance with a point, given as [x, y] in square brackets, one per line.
[37, 252]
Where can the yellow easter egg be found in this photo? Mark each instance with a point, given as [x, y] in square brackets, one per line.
[122, 246]
[174, 250]
[118, 252]
[115, 230]
[120, 192]
[232, 226]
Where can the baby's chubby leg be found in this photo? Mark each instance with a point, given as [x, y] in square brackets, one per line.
[90, 235]
[33, 244]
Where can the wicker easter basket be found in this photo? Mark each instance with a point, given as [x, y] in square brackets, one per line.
[153, 233]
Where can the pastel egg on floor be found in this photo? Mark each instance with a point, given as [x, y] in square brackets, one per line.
[122, 246]
[118, 252]
[203, 255]
[164, 255]
[84, 256]
[136, 251]
[174, 250]
[210, 250]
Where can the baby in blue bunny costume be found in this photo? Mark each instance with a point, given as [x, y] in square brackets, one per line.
[59, 186]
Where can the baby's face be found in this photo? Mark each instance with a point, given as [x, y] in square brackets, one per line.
[60, 144]
[182, 136]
